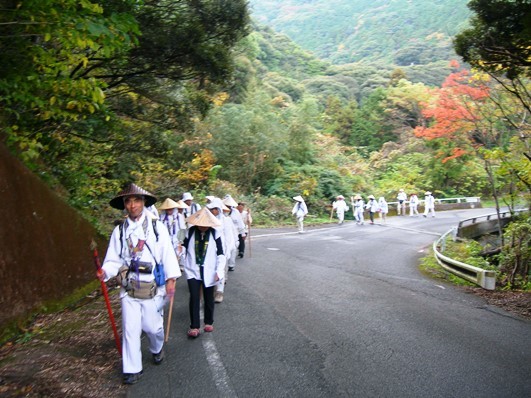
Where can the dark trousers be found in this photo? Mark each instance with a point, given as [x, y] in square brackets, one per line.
[241, 247]
[194, 286]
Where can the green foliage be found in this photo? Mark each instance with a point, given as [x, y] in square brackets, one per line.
[429, 266]
[350, 31]
[499, 38]
[515, 258]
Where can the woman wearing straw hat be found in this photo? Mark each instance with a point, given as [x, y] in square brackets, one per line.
[340, 206]
[135, 247]
[204, 267]
[299, 210]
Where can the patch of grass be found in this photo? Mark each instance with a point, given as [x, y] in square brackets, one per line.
[430, 267]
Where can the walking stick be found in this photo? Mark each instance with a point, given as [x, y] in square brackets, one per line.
[249, 236]
[331, 213]
[249, 231]
[169, 320]
[94, 247]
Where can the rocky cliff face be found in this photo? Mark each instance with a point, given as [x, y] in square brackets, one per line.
[44, 244]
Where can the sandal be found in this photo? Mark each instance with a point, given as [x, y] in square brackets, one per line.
[193, 333]
[208, 328]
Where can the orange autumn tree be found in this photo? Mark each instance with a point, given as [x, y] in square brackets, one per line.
[468, 117]
[455, 115]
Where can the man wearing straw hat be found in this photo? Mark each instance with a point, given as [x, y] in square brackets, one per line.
[135, 249]
[299, 211]
[204, 267]
[340, 206]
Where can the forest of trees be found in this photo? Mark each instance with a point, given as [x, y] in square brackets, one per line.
[398, 32]
[195, 96]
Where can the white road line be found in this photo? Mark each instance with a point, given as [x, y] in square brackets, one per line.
[219, 374]
[221, 379]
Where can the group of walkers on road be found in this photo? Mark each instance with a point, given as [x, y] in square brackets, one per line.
[372, 207]
[414, 201]
[151, 248]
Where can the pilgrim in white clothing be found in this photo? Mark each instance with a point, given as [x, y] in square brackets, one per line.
[340, 206]
[204, 267]
[134, 249]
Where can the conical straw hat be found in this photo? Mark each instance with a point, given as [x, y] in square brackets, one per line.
[298, 198]
[132, 190]
[182, 205]
[168, 204]
[203, 218]
[357, 197]
[228, 201]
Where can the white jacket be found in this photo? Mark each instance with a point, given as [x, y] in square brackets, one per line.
[214, 262]
[300, 209]
[340, 206]
[372, 205]
[118, 253]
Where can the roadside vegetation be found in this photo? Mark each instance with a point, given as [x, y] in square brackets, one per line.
[511, 263]
[196, 96]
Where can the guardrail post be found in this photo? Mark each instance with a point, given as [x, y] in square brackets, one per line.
[487, 280]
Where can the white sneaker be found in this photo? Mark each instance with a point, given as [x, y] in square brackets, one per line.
[218, 297]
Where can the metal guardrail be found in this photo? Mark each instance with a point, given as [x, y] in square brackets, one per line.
[482, 277]
[490, 217]
[461, 199]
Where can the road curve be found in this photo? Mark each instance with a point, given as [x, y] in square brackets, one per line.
[342, 311]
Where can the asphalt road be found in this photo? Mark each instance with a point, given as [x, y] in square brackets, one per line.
[342, 311]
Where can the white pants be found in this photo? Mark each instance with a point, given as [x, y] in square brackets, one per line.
[300, 223]
[220, 287]
[341, 216]
[429, 210]
[359, 215]
[231, 259]
[140, 315]
[413, 210]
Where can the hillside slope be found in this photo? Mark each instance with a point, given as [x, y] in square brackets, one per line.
[401, 32]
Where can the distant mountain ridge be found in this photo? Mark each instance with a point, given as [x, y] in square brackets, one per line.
[399, 32]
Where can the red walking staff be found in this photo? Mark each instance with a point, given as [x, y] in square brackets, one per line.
[99, 273]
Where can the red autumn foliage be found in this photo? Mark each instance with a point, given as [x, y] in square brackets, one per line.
[454, 112]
